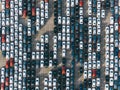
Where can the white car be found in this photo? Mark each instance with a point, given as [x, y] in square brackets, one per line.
[67, 3]
[42, 21]
[107, 30]
[111, 72]
[67, 11]
[54, 82]
[46, 6]
[94, 64]
[46, 14]
[59, 20]
[89, 64]
[50, 63]
[111, 38]
[45, 81]
[81, 19]
[81, 45]
[89, 56]
[72, 3]
[67, 72]
[63, 28]
[116, 26]
[98, 82]
[41, 4]
[98, 13]
[85, 65]
[68, 45]
[107, 54]
[2, 71]
[37, 81]
[37, 55]
[37, 46]
[68, 20]
[93, 83]
[89, 10]
[54, 55]
[37, 11]
[42, 38]
[63, 45]
[107, 46]
[107, 39]
[59, 37]
[24, 73]
[12, 20]
[94, 30]
[80, 10]
[63, 36]
[89, 73]
[106, 86]
[63, 20]
[33, 56]
[20, 11]
[90, 21]
[68, 37]
[98, 64]
[94, 21]
[111, 20]
[98, 47]
[63, 53]
[111, 47]
[85, 74]
[94, 56]
[2, 79]
[89, 29]
[115, 76]
[42, 55]
[42, 63]
[98, 5]
[67, 81]
[55, 38]
[111, 29]
[42, 13]
[7, 21]
[103, 13]
[50, 82]
[111, 82]
[116, 43]
[111, 55]
[50, 74]
[116, 8]
[111, 64]
[107, 71]
[106, 62]
[116, 67]
[42, 47]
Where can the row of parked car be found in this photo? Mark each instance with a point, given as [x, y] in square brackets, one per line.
[19, 71]
[112, 54]
[92, 64]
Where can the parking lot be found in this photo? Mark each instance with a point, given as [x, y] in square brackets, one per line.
[60, 45]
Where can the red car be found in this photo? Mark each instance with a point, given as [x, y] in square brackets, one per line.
[33, 11]
[6, 81]
[24, 13]
[7, 64]
[119, 54]
[3, 38]
[2, 86]
[81, 3]
[11, 62]
[94, 73]
[7, 3]
[63, 70]
[119, 20]
[46, 1]
[118, 28]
